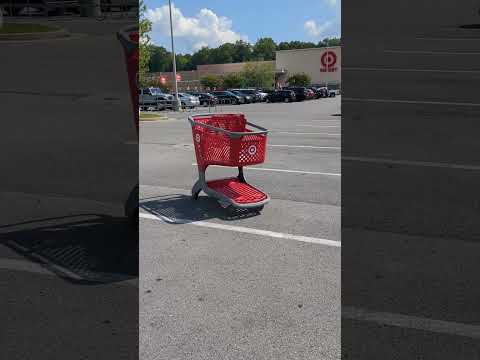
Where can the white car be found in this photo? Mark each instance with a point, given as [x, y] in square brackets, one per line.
[263, 95]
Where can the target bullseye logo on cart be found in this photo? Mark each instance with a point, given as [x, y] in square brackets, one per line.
[252, 149]
[328, 61]
[197, 138]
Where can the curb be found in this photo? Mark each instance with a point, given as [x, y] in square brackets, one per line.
[155, 119]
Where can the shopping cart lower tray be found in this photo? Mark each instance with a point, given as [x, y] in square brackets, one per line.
[225, 140]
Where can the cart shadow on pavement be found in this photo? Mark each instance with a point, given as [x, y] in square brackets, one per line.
[85, 249]
[182, 209]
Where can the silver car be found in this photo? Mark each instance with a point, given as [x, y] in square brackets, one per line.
[188, 101]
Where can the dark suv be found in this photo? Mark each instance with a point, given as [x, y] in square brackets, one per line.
[301, 92]
[206, 99]
[227, 97]
[281, 95]
[254, 94]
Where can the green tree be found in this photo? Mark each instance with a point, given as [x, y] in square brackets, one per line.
[145, 26]
[264, 49]
[184, 62]
[301, 79]
[234, 80]
[201, 57]
[329, 42]
[259, 75]
[160, 59]
[224, 54]
[211, 81]
[295, 45]
[243, 51]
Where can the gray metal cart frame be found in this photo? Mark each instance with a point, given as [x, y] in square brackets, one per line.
[201, 183]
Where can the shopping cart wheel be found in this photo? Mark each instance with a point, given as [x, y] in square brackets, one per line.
[197, 188]
[132, 208]
[259, 209]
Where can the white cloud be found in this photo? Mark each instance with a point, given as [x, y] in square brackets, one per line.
[204, 29]
[331, 3]
[315, 30]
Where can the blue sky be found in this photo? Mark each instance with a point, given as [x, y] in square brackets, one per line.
[213, 22]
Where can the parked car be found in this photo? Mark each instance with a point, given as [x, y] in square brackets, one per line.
[227, 97]
[254, 94]
[247, 98]
[187, 100]
[281, 95]
[332, 93]
[318, 93]
[323, 91]
[154, 98]
[326, 92]
[310, 94]
[263, 95]
[300, 92]
[206, 99]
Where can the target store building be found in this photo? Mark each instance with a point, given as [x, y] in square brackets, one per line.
[323, 65]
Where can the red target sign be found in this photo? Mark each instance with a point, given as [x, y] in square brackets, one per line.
[328, 61]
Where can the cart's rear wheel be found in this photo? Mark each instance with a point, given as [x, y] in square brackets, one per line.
[259, 209]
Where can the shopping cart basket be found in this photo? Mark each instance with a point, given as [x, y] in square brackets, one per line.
[129, 38]
[225, 140]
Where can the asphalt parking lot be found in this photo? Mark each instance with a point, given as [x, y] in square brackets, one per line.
[68, 264]
[260, 287]
[410, 217]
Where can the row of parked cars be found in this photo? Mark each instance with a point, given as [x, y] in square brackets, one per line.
[154, 98]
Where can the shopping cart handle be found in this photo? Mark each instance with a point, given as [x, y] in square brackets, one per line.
[232, 134]
[128, 43]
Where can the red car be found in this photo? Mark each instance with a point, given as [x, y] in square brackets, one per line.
[310, 94]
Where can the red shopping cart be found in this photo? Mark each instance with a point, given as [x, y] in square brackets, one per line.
[225, 140]
[129, 38]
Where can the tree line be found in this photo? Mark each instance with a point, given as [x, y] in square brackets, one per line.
[240, 51]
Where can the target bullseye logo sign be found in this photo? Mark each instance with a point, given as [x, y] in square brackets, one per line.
[252, 150]
[328, 61]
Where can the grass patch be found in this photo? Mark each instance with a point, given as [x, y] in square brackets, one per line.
[147, 116]
[17, 28]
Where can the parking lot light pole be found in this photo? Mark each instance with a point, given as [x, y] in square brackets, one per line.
[177, 102]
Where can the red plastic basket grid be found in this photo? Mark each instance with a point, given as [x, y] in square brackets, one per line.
[240, 192]
[217, 148]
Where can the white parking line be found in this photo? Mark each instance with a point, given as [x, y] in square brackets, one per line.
[295, 171]
[412, 163]
[242, 229]
[329, 120]
[307, 147]
[447, 39]
[411, 102]
[413, 70]
[422, 52]
[319, 126]
[412, 322]
[303, 133]
[285, 170]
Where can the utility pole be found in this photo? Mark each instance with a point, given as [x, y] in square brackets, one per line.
[177, 104]
[97, 8]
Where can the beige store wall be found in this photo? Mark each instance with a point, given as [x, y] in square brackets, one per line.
[308, 61]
